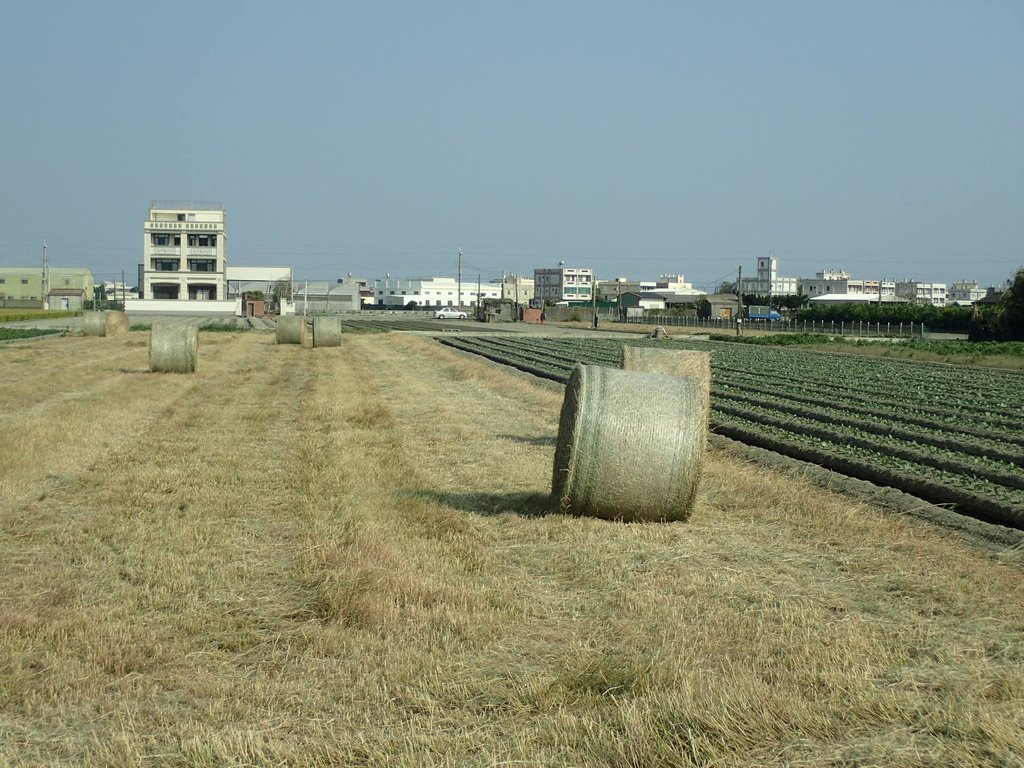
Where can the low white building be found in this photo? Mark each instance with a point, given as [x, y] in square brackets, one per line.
[392, 292]
[834, 281]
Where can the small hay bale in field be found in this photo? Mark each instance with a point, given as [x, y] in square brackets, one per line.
[291, 330]
[660, 333]
[95, 324]
[326, 331]
[630, 444]
[116, 322]
[173, 348]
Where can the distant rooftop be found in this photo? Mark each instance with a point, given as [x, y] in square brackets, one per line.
[185, 205]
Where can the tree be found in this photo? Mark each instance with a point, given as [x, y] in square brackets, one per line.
[282, 290]
[726, 287]
[1005, 320]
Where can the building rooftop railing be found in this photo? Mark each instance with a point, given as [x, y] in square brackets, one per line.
[185, 205]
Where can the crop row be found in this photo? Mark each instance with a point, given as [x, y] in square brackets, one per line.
[947, 434]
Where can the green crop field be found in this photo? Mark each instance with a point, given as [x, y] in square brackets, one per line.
[951, 435]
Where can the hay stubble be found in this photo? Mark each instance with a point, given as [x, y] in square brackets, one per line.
[292, 575]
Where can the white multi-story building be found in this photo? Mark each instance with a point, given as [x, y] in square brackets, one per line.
[838, 282]
[393, 292]
[670, 285]
[563, 284]
[922, 293]
[965, 293]
[184, 252]
[768, 281]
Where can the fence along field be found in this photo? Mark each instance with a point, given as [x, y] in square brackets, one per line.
[951, 435]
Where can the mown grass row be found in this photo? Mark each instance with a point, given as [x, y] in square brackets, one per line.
[952, 436]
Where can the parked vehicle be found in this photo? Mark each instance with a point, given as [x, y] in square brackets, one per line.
[450, 313]
[762, 313]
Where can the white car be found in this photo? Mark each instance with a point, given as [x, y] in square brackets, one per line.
[450, 313]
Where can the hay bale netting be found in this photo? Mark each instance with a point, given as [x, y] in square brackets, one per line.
[673, 362]
[173, 347]
[326, 331]
[95, 324]
[630, 444]
[291, 330]
[116, 322]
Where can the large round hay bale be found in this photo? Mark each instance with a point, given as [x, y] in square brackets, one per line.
[673, 362]
[173, 347]
[630, 444]
[95, 324]
[116, 322]
[291, 330]
[326, 331]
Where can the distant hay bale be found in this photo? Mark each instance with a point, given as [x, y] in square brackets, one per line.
[291, 330]
[326, 331]
[173, 348]
[630, 444]
[95, 324]
[116, 322]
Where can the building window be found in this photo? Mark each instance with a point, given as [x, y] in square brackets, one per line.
[24, 281]
[202, 240]
[164, 239]
[166, 265]
[202, 265]
[165, 291]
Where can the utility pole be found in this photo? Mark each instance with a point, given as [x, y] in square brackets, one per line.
[593, 294]
[46, 279]
[459, 297]
[739, 300]
[122, 291]
[479, 314]
[305, 297]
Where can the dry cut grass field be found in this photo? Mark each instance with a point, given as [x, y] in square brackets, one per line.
[277, 561]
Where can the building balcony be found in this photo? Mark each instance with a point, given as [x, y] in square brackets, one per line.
[165, 250]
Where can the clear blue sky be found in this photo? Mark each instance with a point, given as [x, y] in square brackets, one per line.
[886, 138]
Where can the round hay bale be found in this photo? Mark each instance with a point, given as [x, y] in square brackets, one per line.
[673, 362]
[173, 348]
[291, 330]
[116, 322]
[630, 444]
[95, 324]
[326, 331]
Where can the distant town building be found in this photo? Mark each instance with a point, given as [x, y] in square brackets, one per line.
[965, 293]
[184, 252]
[345, 295]
[66, 287]
[394, 292]
[922, 293]
[670, 286]
[517, 289]
[833, 282]
[767, 281]
[563, 284]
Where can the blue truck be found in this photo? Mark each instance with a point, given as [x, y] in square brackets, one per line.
[762, 313]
